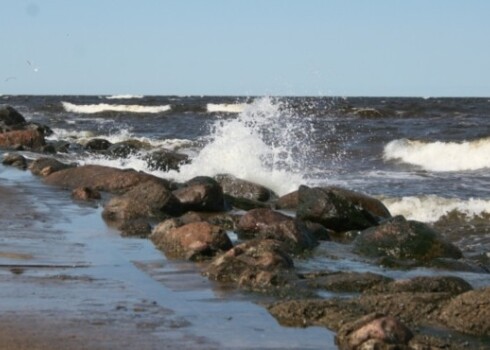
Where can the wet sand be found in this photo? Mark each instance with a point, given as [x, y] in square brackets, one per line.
[70, 282]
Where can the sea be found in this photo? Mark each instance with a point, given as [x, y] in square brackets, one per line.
[427, 159]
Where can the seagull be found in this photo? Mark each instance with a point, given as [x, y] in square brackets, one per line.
[35, 69]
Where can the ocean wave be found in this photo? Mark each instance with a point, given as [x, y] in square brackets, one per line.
[123, 97]
[441, 156]
[226, 107]
[104, 107]
[431, 208]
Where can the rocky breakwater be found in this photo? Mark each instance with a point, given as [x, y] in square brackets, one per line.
[194, 221]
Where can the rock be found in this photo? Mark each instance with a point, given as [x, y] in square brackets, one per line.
[239, 188]
[149, 199]
[193, 241]
[404, 239]
[97, 144]
[125, 148]
[318, 231]
[347, 281]
[201, 193]
[269, 224]
[332, 210]
[257, 265]
[85, 194]
[412, 308]
[425, 284]
[10, 117]
[288, 201]
[31, 139]
[100, 178]
[136, 228]
[15, 160]
[469, 312]
[330, 313]
[373, 331]
[243, 203]
[165, 160]
[45, 166]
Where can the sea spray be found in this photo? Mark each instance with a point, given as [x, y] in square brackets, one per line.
[266, 143]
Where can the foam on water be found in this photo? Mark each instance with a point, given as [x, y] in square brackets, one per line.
[104, 107]
[123, 97]
[226, 107]
[441, 156]
[264, 144]
[430, 208]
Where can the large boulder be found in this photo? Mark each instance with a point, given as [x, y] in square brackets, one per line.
[46, 165]
[193, 241]
[332, 209]
[346, 281]
[100, 178]
[149, 199]
[266, 223]
[10, 117]
[201, 193]
[15, 159]
[469, 312]
[256, 265]
[97, 144]
[240, 188]
[125, 148]
[27, 138]
[404, 239]
[373, 331]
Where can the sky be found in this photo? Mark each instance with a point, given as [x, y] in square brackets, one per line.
[246, 47]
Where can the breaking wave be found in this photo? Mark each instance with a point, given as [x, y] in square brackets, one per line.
[104, 107]
[431, 208]
[226, 107]
[441, 156]
[123, 97]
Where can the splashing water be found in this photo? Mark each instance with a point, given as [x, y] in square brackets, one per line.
[266, 144]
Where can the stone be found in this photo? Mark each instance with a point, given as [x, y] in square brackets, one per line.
[97, 144]
[373, 331]
[85, 194]
[240, 188]
[45, 166]
[347, 281]
[15, 160]
[404, 239]
[201, 193]
[9, 117]
[332, 210]
[31, 139]
[165, 160]
[266, 223]
[193, 241]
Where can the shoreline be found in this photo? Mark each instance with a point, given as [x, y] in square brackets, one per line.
[78, 285]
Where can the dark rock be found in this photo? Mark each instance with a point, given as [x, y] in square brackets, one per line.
[193, 241]
[347, 281]
[270, 224]
[243, 203]
[201, 193]
[15, 160]
[257, 265]
[97, 144]
[10, 117]
[469, 312]
[332, 210]
[60, 146]
[166, 160]
[149, 199]
[330, 313]
[100, 178]
[31, 139]
[404, 239]
[373, 331]
[46, 166]
[85, 194]
[425, 284]
[136, 228]
[318, 231]
[125, 148]
[240, 188]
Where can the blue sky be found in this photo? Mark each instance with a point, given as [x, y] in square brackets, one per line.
[246, 47]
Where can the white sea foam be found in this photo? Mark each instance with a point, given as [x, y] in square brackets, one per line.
[104, 107]
[441, 156]
[263, 144]
[226, 107]
[123, 97]
[430, 208]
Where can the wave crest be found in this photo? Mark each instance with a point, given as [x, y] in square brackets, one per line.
[441, 156]
[226, 107]
[104, 107]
